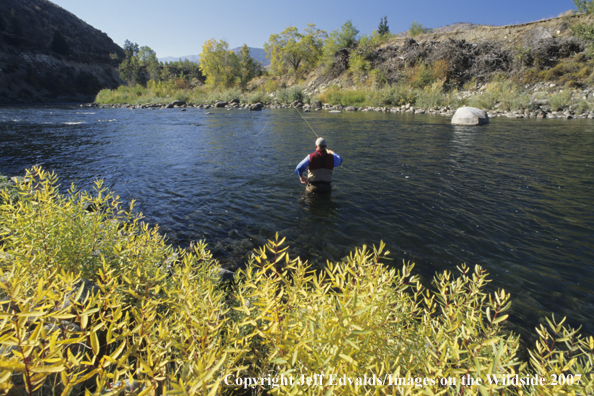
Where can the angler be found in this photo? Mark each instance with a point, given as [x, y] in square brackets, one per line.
[319, 166]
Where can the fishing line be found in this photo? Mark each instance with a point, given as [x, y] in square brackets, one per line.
[304, 119]
[298, 112]
[265, 125]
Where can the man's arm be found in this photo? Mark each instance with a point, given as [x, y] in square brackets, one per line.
[337, 159]
[301, 168]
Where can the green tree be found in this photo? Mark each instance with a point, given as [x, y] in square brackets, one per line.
[346, 37]
[248, 66]
[415, 29]
[582, 30]
[165, 74]
[294, 51]
[218, 64]
[130, 49]
[130, 67]
[59, 44]
[586, 6]
[383, 27]
[148, 58]
[146, 55]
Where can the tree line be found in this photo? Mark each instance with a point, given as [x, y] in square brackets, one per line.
[290, 51]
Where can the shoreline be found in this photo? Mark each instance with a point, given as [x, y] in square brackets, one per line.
[540, 113]
[447, 111]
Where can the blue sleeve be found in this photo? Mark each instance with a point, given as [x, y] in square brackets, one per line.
[303, 165]
[337, 160]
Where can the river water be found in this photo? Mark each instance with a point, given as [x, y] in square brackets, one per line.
[515, 196]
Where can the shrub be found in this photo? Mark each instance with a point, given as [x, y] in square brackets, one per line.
[509, 96]
[397, 95]
[346, 97]
[368, 43]
[336, 40]
[358, 65]
[290, 95]
[431, 96]
[182, 83]
[470, 85]
[271, 85]
[560, 100]
[258, 97]
[554, 73]
[361, 316]
[416, 29]
[482, 100]
[97, 299]
[11, 191]
[230, 94]
[584, 105]
[421, 76]
[584, 73]
[153, 320]
[440, 70]
[585, 32]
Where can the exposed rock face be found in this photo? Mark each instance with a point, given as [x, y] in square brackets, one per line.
[464, 51]
[470, 116]
[220, 103]
[256, 107]
[48, 54]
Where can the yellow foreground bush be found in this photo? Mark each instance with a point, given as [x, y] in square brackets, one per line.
[95, 302]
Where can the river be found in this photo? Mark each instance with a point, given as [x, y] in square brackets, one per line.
[515, 196]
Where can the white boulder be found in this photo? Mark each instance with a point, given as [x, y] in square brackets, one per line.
[470, 116]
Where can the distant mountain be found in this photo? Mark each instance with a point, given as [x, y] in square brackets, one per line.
[191, 58]
[48, 54]
[257, 53]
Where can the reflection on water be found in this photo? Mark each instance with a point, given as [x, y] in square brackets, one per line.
[514, 196]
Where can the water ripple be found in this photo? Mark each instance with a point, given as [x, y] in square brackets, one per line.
[514, 196]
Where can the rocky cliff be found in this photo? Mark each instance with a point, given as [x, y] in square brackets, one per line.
[48, 54]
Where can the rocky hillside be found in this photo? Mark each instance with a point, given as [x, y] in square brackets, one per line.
[468, 53]
[48, 54]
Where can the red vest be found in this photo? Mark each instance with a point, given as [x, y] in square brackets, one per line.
[321, 159]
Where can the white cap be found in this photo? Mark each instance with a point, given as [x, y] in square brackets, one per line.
[321, 142]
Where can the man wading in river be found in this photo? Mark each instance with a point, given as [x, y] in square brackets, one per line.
[319, 166]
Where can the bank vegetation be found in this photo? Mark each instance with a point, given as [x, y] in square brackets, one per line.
[542, 66]
[93, 301]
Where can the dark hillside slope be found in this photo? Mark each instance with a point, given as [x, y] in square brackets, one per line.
[48, 54]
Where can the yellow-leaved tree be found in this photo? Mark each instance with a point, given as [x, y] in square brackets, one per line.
[219, 64]
[294, 51]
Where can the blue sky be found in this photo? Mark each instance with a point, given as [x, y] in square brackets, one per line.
[178, 28]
